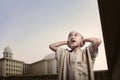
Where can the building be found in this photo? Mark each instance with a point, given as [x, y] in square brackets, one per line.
[46, 66]
[26, 69]
[9, 66]
[38, 68]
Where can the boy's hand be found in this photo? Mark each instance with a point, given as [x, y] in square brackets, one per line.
[54, 46]
[95, 42]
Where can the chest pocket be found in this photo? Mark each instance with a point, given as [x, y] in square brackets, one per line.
[79, 59]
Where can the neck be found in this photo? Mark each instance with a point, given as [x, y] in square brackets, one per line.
[74, 50]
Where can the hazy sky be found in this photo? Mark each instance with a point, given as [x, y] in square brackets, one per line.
[29, 26]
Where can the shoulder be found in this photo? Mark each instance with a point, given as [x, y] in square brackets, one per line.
[60, 53]
[61, 50]
[89, 50]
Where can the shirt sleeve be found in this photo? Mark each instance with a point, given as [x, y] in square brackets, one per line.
[92, 52]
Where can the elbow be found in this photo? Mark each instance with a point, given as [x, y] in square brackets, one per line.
[98, 41]
[50, 46]
[53, 48]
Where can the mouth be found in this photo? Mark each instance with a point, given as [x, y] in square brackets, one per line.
[73, 41]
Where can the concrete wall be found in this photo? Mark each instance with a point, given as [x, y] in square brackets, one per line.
[38, 68]
[116, 72]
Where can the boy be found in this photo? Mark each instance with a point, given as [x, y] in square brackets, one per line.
[77, 63]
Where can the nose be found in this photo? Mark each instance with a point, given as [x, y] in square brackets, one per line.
[72, 37]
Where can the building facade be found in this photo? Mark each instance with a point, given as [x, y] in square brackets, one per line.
[47, 66]
[26, 69]
[9, 66]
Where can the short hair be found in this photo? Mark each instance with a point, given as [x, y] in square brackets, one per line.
[76, 32]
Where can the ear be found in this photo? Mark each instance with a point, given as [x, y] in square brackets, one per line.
[68, 44]
[82, 43]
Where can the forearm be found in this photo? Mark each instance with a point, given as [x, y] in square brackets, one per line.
[95, 42]
[54, 46]
[92, 40]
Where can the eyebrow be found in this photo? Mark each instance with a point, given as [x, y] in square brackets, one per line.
[71, 34]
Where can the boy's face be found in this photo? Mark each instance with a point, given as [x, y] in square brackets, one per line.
[74, 39]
